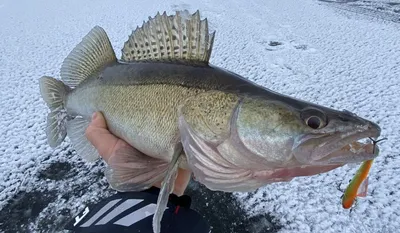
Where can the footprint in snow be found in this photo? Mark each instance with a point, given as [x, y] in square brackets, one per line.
[273, 45]
[56, 171]
[24, 209]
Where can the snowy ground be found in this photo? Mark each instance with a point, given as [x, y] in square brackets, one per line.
[343, 54]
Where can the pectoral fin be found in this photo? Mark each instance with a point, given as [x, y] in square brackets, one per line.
[210, 167]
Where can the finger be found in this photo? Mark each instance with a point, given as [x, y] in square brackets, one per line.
[182, 181]
[98, 134]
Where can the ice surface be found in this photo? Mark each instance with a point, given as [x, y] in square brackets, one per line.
[313, 50]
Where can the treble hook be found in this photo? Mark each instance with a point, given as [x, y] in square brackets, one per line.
[375, 142]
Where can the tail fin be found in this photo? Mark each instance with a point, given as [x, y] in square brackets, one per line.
[54, 93]
[86, 60]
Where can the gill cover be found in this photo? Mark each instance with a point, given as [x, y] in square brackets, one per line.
[225, 144]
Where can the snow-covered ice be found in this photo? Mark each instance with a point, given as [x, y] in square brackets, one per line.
[334, 53]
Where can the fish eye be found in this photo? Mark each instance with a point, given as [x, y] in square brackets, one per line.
[314, 118]
[314, 122]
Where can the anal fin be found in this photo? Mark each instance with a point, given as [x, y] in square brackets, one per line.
[76, 132]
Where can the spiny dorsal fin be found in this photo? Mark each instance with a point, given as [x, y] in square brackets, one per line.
[92, 54]
[179, 37]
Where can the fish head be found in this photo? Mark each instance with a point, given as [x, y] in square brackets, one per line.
[334, 137]
[287, 135]
[269, 139]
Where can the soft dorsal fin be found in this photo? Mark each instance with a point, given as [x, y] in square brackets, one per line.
[179, 37]
[92, 54]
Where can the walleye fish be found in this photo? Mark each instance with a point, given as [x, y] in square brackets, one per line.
[176, 109]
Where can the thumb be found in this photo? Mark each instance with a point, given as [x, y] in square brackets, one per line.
[98, 134]
[98, 121]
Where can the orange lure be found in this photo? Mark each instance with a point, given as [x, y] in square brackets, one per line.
[353, 189]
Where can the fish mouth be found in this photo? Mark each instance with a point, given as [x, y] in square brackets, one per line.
[337, 149]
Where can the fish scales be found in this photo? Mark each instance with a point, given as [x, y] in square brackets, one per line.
[142, 107]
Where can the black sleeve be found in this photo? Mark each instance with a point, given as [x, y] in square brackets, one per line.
[133, 212]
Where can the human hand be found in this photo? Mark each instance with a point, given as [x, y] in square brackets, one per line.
[107, 144]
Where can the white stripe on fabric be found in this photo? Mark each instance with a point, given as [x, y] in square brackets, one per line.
[137, 215]
[118, 210]
[108, 206]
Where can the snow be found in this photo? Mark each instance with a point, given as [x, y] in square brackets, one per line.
[342, 55]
